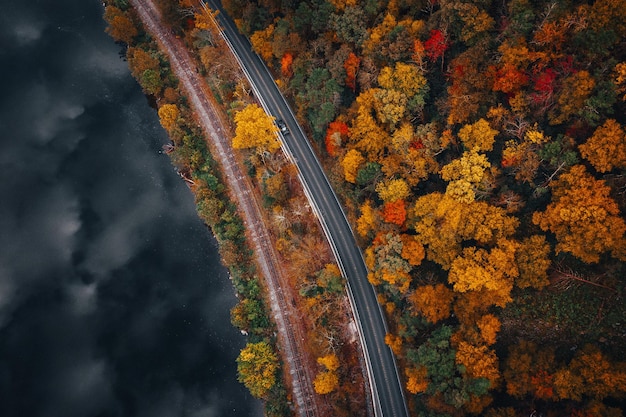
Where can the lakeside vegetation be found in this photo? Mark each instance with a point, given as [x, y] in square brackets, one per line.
[317, 288]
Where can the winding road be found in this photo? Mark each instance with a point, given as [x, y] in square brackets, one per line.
[385, 383]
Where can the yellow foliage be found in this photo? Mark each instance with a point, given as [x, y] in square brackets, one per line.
[479, 362]
[368, 220]
[393, 190]
[478, 269]
[464, 174]
[606, 149]
[168, 115]
[262, 42]
[330, 362]
[408, 79]
[351, 163]
[257, 365]
[583, 216]
[255, 129]
[367, 135]
[442, 223]
[535, 136]
[478, 136]
[325, 382]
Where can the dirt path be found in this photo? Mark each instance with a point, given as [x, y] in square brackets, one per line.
[291, 334]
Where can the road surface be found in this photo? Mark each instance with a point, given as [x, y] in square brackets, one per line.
[385, 383]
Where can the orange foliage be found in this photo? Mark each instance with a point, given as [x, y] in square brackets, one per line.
[417, 379]
[432, 301]
[395, 212]
[285, 65]
[394, 342]
[479, 362]
[606, 149]
[583, 216]
[351, 65]
[412, 250]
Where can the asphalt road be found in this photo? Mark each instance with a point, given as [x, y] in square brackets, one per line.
[386, 387]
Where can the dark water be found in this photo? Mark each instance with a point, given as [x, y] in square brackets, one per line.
[112, 299]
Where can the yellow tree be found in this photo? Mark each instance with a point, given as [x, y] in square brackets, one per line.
[584, 218]
[478, 135]
[255, 129]
[327, 381]
[257, 365]
[493, 271]
[442, 223]
[464, 175]
[262, 43]
[606, 148]
[168, 115]
[351, 163]
[393, 190]
[368, 220]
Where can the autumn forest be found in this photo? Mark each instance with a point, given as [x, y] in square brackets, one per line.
[480, 150]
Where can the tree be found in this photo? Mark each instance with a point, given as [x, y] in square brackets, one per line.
[606, 148]
[493, 271]
[335, 134]
[351, 65]
[325, 382]
[479, 362]
[140, 60]
[432, 301]
[442, 223]
[412, 250]
[121, 27]
[168, 116]
[575, 90]
[478, 136]
[436, 45]
[262, 43]
[393, 190]
[257, 365]
[351, 163]
[255, 129]
[368, 220]
[489, 326]
[465, 174]
[417, 380]
[395, 212]
[584, 218]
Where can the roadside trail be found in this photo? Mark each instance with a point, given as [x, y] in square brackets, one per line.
[284, 314]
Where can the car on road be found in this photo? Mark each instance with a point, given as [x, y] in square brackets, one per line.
[282, 126]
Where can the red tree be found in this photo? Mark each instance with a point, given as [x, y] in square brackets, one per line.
[436, 45]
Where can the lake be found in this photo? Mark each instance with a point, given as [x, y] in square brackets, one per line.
[113, 301]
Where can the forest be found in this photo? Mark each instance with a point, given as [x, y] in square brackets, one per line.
[480, 150]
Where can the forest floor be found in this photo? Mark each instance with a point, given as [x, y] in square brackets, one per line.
[300, 366]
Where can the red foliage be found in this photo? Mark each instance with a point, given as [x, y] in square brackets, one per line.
[335, 132]
[509, 79]
[543, 385]
[285, 65]
[395, 212]
[416, 144]
[544, 86]
[436, 45]
[351, 65]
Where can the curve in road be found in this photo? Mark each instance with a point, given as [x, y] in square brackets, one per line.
[385, 383]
